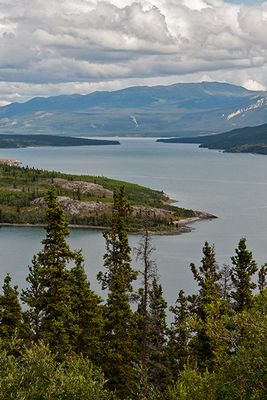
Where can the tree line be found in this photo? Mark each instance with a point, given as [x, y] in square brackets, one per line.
[61, 340]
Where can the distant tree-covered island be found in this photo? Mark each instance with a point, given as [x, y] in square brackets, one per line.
[87, 200]
[17, 141]
[244, 140]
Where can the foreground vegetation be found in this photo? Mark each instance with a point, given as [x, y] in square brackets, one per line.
[67, 343]
[21, 186]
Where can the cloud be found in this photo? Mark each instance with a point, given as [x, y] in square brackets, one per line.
[50, 47]
[253, 85]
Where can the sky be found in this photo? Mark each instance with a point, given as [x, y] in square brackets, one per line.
[56, 47]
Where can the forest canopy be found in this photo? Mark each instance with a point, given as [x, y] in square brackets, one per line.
[60, 340]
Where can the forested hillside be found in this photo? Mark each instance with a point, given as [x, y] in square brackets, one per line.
[60, 340]
[17, 141]
[252, 139]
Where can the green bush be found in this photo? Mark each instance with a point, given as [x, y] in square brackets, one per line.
[37, 375]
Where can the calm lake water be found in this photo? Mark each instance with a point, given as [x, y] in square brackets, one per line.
[231, 186]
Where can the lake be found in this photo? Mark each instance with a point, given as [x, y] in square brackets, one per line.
[231, 186]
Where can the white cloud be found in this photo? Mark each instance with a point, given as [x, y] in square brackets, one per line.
[253, 85]
[49, 47]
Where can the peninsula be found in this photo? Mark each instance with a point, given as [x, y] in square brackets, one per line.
[87, 201]
[252, 139]
[17, 141]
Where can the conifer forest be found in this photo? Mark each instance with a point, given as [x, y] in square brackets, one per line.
[61, 340]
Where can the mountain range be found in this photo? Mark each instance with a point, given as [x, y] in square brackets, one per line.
[182, 109]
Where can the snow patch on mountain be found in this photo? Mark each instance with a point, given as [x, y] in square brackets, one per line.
[134, 121]
[42, 114]
[259, 103]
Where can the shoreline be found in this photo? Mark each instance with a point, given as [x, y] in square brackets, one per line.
[181, 226]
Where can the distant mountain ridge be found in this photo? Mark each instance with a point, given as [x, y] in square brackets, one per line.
[176, 110]
[243, 140]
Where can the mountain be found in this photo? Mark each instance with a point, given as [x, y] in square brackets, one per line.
[177, 110]
[242, 140]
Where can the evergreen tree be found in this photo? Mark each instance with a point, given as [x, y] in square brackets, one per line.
[49, 296]
[120, 347]
[262, 278]
[148, 274]
[11, 316]
[34, 297]
[88, 315]
[152, 326]
[178, 346]
[226, 282]
[207, 277]
[53, 289]
[158, 363]
[208, 304]
[244, 268]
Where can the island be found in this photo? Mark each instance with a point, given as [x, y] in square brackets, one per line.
[243, 140]
[17, 141]
[87, 201]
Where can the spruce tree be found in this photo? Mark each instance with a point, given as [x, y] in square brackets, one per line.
[208, 305]
[226, 282]
[178, 346]
[11, 316]
[49, 294]
[148, 273]
[88, 315]
[244, 267]
[34, 297]
[207, 277]
[158, 363]
[54, 287]
[262, 278]
[120, 346]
